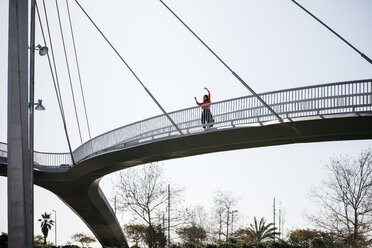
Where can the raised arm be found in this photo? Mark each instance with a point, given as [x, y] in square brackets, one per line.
[197, 101]
[209, 94]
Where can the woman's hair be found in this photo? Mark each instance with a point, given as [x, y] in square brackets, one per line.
[206, 97]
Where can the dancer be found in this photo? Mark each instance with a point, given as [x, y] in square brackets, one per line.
[206, 116]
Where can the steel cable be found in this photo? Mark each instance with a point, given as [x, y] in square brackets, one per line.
[78, 68]
[68, 71]
[334, 32]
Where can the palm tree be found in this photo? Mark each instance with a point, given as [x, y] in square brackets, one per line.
[259, 232]
[46, 224]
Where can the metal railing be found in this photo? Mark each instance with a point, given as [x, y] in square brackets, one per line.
[43, 158]
[326, 99]
[52, 159]
[3, 150]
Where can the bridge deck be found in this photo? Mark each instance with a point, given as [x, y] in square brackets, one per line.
[352, 97]
[340, 111]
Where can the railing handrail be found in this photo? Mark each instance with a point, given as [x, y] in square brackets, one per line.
[54, 153]
[228, 100]
[317, 86]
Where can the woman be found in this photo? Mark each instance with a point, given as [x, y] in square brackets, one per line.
[206, 116]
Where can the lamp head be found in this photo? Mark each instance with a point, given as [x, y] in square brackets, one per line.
[39, 105]
[42, 50]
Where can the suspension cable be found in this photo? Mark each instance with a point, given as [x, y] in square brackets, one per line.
[68, 71]
[334, 32]
[228, 67]
[58, 91]
[55, 79]
[50, 65]
[78, 68]
[130, 69]
[57, 87]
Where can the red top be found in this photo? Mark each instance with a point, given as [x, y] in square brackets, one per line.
[205, 102]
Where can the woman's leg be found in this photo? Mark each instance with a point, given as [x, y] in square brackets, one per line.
[204, 117]
[209, 117]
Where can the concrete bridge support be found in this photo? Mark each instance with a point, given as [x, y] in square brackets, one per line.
[20, 206]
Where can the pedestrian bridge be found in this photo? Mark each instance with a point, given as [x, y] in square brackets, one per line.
[326, 112]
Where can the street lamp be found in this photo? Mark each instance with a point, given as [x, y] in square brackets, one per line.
[55, 226]
[39, 105]
[42, 50]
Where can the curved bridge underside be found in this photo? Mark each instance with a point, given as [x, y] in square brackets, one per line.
[79, 188]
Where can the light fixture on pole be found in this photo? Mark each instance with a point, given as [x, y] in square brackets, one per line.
[42, 50]
[55, 226]
[39, 105]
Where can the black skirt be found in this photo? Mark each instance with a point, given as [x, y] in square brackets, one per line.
[207, 117]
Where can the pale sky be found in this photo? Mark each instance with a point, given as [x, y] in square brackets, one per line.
[272, 44]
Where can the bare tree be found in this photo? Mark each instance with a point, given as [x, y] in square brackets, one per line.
[345, 200]
[198, 217]
[224, 207]
[143, 191]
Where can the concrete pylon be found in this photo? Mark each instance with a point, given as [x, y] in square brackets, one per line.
[19, 167]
